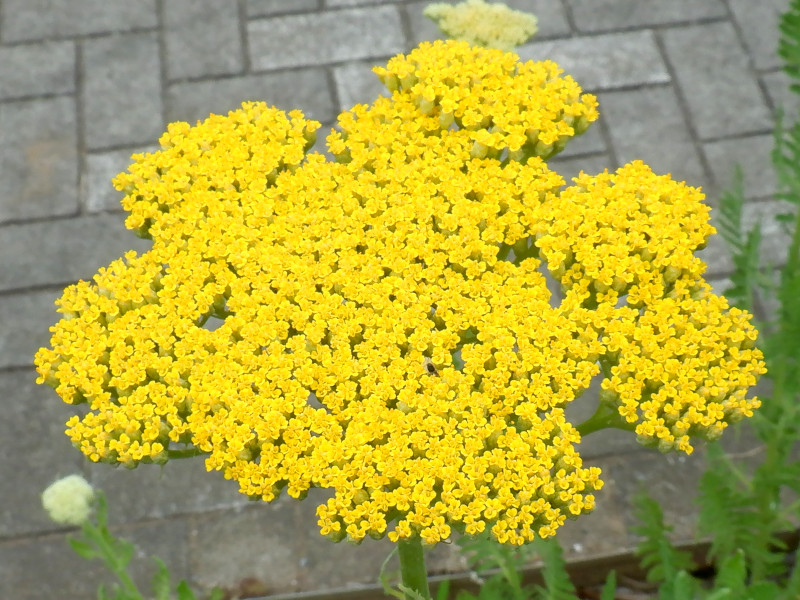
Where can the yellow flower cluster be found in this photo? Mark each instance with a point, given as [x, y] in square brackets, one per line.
[678, 362]
[358, 325]
[523, 109]
[482, 24]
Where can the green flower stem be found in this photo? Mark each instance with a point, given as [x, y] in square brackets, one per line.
[605, 417]
[412, 568]
[111, 557]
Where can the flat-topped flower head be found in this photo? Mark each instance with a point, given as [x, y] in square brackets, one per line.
[380, 325]
[482, 24]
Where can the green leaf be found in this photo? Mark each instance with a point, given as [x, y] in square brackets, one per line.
[84, 549]
[444, 590]
[184, 591]
[732, 573]
[609, 590]
[160, 581]
[662, 561]
[217, 594]
[557, 583]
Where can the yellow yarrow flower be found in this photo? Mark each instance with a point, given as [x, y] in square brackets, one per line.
[358, 325]
[483, 24]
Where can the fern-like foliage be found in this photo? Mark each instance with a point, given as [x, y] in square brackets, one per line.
[557, 584]
[746, 278]
[657, 554]
[789, 42]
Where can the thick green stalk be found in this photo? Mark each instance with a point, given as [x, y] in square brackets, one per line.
[412, 568]
[605, 417]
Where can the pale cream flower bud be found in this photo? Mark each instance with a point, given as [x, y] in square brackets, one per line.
[69, 500]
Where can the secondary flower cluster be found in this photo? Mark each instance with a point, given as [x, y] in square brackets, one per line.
[360, 325]
[481, 24]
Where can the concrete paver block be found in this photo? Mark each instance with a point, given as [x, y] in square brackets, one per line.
[306, 89]
[154, 492]
[31, 439]
[38, 158]
[25, 321]
[327, 37]
[357, 84]
[265, 8]
[97, 192]
[39, 19]
[647, 124]
[63, 251]
[600, 15]
[758, 22]
[750, 154]
[712, 69]
[46, 567]
[604, 61]
[202, 38]
[122, 90]
[37, 69]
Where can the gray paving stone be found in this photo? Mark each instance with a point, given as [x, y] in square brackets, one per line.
[306, 89]
[569, 167]
[758, 22]
[63, 251]
[589, 142]
[780, 96]
[46, 567]
[202, 38]
[340, 3]
[31, 439]
[38, 158]
[752, 155]
[265, 8]
[712, 70]
[647, 124]
[97, 192]
[152, 492]
[552, 19]
[599, 15]
[328, 37]
[716, 255]
[40, 19]
[25, 322]
[122, 90]
[604, 61]
[357, 84]
[37, 69]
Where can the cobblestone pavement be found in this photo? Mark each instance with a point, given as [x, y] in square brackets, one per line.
[690, 86]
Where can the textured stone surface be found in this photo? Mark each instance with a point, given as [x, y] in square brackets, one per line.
[306, 89]
[31, 439]
[592, 141]
[356, 83]
[263, 8]
[647, 124]
[571, 167]
[97, 192]
[780, 95]
[327, 37]
[122, 90]
[36, 69]
[751, 155]
[59, 252]
[179, 487]
[46, 567]
[202, 38]
[38, 19]
[599, 15]
[604, 61]
[758, 22]
[551, 15]
[38, 158]
[712, 69]
[25, 321]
